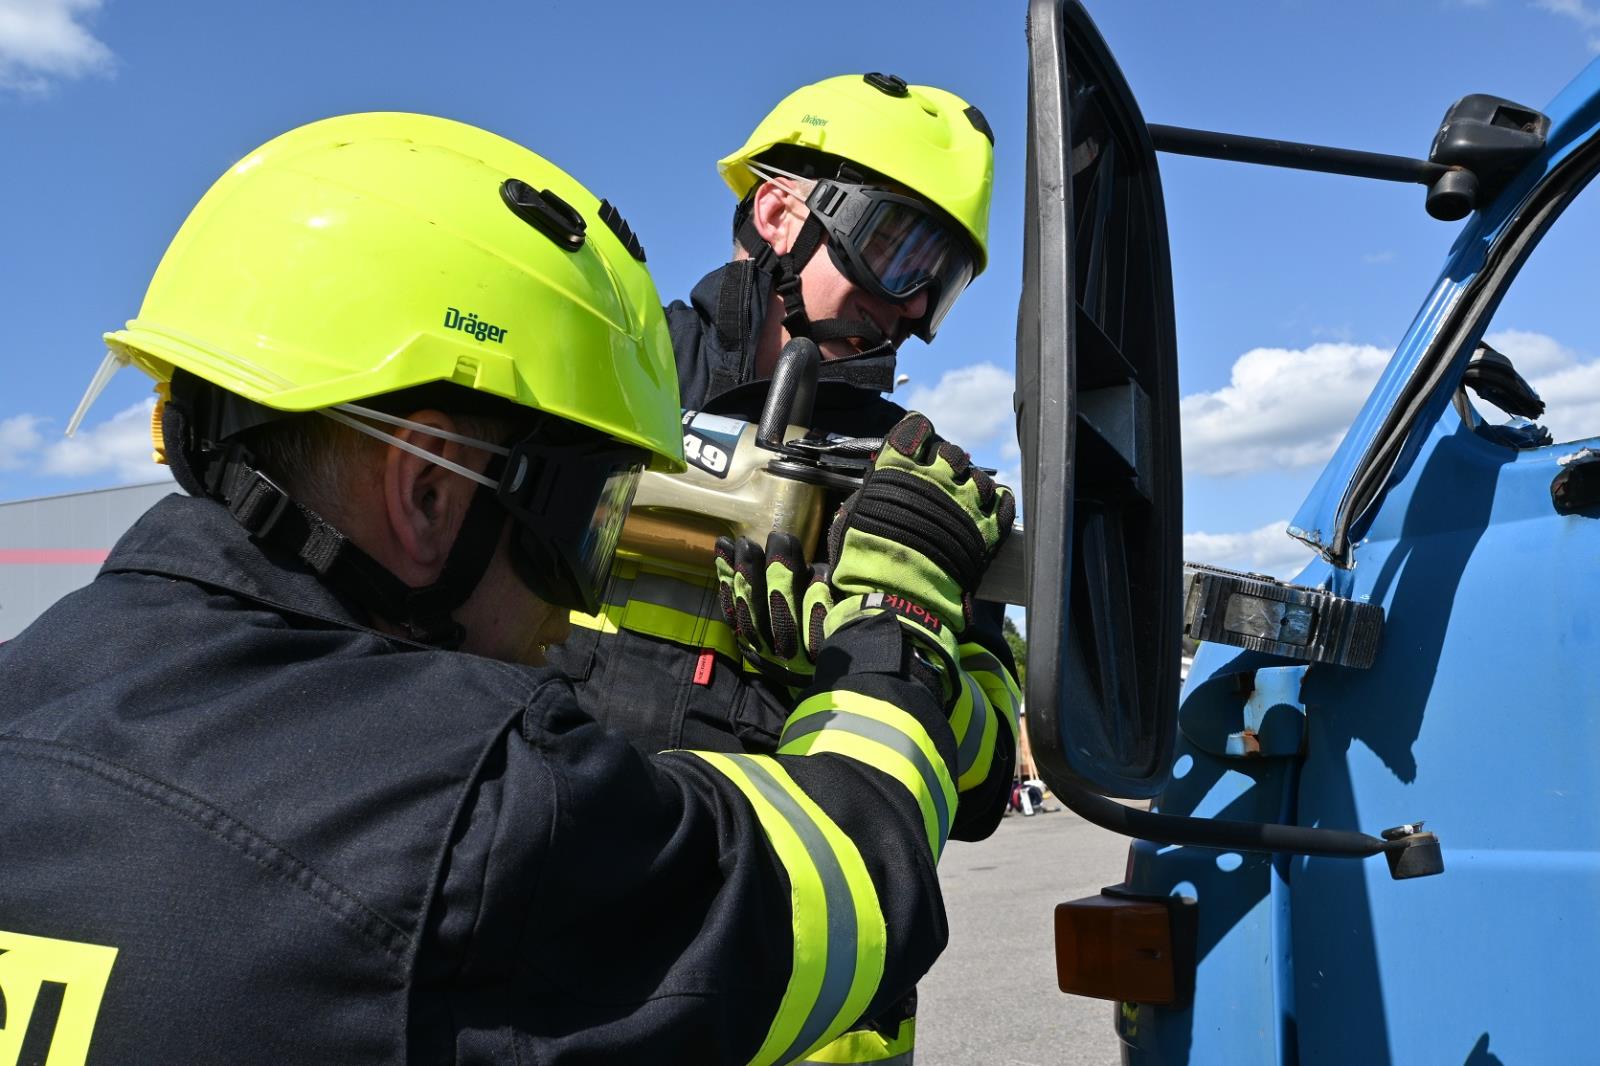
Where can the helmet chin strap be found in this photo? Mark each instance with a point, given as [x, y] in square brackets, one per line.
[225, 471]
[785, 269]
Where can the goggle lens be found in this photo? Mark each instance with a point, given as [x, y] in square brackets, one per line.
[569, 501]
[906, 248]
[598, 549]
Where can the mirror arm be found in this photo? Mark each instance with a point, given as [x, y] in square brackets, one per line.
[1177, 140]
[1410, 852]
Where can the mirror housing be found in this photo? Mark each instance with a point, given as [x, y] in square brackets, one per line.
[1487, 140]
[1097, 418]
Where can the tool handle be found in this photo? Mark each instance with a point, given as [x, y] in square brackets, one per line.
[792, 393]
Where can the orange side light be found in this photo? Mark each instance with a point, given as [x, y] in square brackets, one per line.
[1113, 947]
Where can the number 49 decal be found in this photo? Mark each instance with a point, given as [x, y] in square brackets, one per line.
[50, 993]
[703, 454]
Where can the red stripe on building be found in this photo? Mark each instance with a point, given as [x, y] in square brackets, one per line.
[53, 556]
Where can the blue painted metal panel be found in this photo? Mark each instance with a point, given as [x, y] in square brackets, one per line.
[1242, 1010]
[1478, 717]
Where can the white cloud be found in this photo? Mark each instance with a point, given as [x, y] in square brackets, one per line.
[1375, 258]
[19, 439]
[1579, 11]
[115, 451]
[118, 448]
[1535, 354]
[1281, 408]
[43, 41]
[1268, 550]
[970, 405]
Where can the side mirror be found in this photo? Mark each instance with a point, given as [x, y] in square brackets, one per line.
[1097, 417]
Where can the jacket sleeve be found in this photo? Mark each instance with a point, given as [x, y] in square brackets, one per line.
[711, 907]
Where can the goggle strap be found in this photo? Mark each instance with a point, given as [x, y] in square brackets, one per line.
[338, 415]
[432, 431]
[768, 172]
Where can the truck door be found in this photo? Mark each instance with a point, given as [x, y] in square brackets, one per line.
[1479, 534]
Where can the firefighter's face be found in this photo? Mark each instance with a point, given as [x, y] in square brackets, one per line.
[830, 294]
[505, 620]
[779, 213]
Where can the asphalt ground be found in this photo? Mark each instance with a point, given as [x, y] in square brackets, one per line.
[991, 999]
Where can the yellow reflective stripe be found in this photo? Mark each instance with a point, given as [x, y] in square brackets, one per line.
[884, 737]
[976, 660]
[604, 622]
[975, 748]
[655, 621]
[997, 683]
[867, 1045]
[974, 733]
[839, 932]
[664, 606]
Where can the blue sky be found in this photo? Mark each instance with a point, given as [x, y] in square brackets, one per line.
[1291, 288]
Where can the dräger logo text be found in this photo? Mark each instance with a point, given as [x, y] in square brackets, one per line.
[469, 323]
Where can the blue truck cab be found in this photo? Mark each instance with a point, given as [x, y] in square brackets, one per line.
[1374, 826]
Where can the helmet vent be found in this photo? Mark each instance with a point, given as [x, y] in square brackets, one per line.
[616, 224]
[888, 84]
[979, 123]
[545, 212]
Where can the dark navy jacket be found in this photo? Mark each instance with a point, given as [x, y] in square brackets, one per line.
[307, 841]
[714, 340]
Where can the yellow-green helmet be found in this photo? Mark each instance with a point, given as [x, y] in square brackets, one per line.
[372, 253]
[929, 140]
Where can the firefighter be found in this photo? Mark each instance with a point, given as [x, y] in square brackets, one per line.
[286, 783]
[863, 206]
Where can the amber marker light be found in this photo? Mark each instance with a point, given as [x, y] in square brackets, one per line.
[1125, 946]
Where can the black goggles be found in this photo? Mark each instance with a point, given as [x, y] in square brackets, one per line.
[569, 500]
[894, 247]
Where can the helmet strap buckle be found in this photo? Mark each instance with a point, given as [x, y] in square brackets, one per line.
[257, 504]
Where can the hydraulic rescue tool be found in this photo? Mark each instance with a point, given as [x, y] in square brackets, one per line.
[753, 479]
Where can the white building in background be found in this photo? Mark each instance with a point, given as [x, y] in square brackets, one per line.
[54, 544]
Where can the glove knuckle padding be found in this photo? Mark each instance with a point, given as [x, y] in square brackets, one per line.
[918, 513]
[910, 435]
[1005, 513]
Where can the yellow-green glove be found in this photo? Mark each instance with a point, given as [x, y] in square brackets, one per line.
[775, 603]
[916, 538]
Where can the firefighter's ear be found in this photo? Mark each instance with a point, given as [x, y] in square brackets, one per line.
[778, 212]
[424, 504]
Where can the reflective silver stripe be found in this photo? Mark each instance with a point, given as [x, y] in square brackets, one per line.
[669, 592]
[890, 737]
[659, 590]
[967, 753]
[839, 970]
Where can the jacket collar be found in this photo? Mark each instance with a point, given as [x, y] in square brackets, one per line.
[195, 539]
